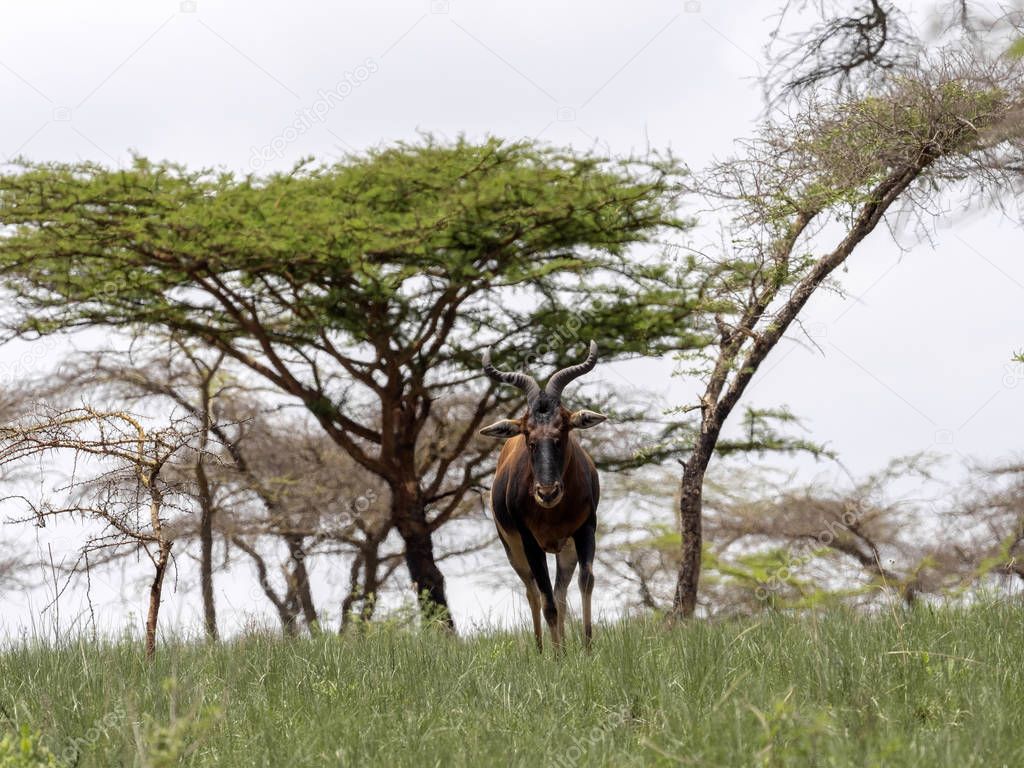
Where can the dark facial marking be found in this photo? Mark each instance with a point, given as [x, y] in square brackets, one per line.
[546, 434]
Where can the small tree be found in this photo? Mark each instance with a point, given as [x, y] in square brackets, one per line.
[831, 171]
[191, 382]
[131, 495]
[257, 473]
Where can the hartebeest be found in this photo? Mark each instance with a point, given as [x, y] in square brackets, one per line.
[545, 495]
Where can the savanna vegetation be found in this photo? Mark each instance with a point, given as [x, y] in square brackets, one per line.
[835, 688]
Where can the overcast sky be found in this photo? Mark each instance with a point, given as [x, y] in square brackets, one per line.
[916, 355]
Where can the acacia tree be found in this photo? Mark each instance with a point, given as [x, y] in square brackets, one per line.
[854, 541]
[191, 382]
[288, 485]
[830, 172]
[847, 44]
[852, 43]
[132, 494]
[988, 518]
[194, 382]
[257, 472]
[833, 541]
[375, 282]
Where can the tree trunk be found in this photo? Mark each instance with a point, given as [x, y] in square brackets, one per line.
[410, 519]
[353, 593]
[206, 511]
[691, 521]
[371, 565]
[365, 566]
[206, 550]
[691, 502]
[286, 611]
[155, 592]
[300, 581]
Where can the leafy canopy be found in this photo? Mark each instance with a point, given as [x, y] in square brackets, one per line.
[380, 247]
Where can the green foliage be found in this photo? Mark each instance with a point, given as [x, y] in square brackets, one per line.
[1016, 49]
[367, 248]
[762, 431]
[834, 688]
[756, 569]
[760, 435]
[663, 537]
[168, 743]
[25, 749]
[790, 736]
[772, 578]
[838, 159]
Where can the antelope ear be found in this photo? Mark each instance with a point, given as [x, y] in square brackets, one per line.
[586, 419]
[503, 429]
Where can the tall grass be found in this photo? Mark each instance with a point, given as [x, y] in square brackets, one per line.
[934, 687]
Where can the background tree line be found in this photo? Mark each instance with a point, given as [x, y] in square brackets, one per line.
[315, 335]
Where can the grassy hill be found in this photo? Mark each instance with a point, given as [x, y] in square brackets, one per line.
[932, 687]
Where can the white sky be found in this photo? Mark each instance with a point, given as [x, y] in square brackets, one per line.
[916, 358]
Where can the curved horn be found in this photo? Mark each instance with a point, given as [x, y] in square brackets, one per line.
[520, 380]
[560, 378]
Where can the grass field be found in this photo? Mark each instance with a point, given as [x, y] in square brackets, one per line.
[928, 688]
